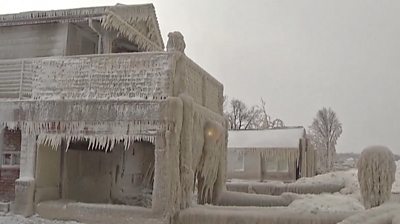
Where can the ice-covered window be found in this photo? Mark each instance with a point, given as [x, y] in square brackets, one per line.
[277, 165]
[10, 159]
[283, 165]
[272, 164]
[239, 162]
[10, 148]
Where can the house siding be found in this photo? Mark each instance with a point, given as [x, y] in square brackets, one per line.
[33, 41]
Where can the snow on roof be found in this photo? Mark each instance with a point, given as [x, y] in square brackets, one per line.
[269, 138]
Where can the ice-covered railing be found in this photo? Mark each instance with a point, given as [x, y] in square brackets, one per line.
[204, 88]
[15, 79]
[144, 76]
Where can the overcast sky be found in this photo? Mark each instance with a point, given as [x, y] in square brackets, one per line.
[298, 55]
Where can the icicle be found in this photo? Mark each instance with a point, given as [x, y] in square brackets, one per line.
[127, 143]
[68, 142]
[107, 144]
[112, 143]
[90, 147]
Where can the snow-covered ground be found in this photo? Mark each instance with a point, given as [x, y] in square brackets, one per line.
[16, 219]
[348, 199]
[326, 203]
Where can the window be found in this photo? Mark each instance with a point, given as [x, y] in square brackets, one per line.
[277, 165]
[283, 165]
[10, 148]
[272, 164]
[10, 159]
[239, 162]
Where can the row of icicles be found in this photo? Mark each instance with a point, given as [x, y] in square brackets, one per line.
[105, 142]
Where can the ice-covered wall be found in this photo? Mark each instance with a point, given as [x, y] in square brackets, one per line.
[190, 154]
[143, 76]
[192, 80]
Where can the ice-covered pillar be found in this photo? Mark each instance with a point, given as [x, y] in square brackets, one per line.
[107, 41]
[25, 185]
[186, 156]
[167, 189]
[159, 200]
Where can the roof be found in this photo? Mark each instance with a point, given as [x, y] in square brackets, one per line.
[268, 138]
[136, 22]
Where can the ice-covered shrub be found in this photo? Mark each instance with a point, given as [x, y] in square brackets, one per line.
[376, 174]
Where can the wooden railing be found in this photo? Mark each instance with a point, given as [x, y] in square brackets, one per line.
[15, 79]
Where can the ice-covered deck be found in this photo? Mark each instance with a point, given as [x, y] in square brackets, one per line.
[122, 76]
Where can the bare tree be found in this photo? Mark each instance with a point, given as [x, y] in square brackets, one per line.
[264, 120]
[242, 117]
[325, 131]
[239, 115]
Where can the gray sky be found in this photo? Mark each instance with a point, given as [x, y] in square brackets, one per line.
[299, 55]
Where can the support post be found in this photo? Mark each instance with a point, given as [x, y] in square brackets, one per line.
[160, 187]
[25, 185]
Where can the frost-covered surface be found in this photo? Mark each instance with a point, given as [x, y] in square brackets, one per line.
[348, 199]
[327, 203]
[343, 181]
[276, 215]
[229, 198]
[388, 213]
[17, 219]
[112, 76]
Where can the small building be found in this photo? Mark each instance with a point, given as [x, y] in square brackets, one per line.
[272, 154]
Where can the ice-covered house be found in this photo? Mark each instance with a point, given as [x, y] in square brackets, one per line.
[272, 154]
[103, 114]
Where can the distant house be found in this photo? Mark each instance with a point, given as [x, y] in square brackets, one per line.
[272, 154]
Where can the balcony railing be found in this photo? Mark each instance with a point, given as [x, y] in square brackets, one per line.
[15, 79]
[142, 76]
[112, 76]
